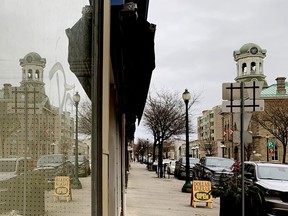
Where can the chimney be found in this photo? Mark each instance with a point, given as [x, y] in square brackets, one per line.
[7, 90]
[281, 85]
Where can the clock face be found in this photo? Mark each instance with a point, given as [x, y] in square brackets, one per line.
[29, 59]
[254, 50]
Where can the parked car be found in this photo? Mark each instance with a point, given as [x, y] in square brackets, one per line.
[54, 165]
[171, 167]
[83, 165]
[271, 180]
[212, 169]
[180, 167]
[165, 163]
[12, 181]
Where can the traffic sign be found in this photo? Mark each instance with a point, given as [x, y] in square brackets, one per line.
[247, 137]
[246, 120]
[249, 106]
[271, 144]
[229, 92]
[254, 89]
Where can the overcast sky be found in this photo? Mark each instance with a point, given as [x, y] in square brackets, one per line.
[195, 40]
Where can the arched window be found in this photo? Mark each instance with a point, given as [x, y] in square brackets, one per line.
[260, 68]
[253, 67]
[37, 75]
[29, 74]
[275, 153]
[244, 68]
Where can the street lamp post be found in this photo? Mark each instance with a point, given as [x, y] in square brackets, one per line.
[187, 186]
[222, 147]
[197, 151]
[76, 184]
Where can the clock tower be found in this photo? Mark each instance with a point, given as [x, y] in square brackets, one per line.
[249, 62]
[32, 70]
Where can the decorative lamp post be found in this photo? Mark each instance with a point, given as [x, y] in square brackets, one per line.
[187, 186]
[222, 147]
[193, 152]
[197, 151]
[76, 184]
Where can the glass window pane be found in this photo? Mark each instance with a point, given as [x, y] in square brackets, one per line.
[44, 43]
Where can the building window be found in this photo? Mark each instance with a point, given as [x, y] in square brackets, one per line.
[253, 67]
[244, 69]
[37, 74]
[29, 74]
[275, 154]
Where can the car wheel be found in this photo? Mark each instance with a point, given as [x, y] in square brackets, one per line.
[255, 204]
[86, 173]
[176, 174]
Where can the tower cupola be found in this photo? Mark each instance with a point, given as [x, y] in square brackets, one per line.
[32, 68]
[249, 62]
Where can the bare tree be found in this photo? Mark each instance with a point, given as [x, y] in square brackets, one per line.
[274, 119]
[85, 118]
[142, 148]
[164, 116]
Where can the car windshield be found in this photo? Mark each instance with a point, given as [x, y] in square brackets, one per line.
[81, 158]
[273, 172]
[47, 159]
[219, 162]
[8, 166]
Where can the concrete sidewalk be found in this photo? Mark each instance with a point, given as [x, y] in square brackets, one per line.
[148, 195]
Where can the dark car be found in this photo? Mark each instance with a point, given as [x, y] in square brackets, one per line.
[212, 169]
[180, 167]
[83, 165]
[12, 180]
[54, 165]
[271, 180]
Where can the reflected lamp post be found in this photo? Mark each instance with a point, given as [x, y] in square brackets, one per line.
[76, 184]
[187, 186]
[197, 151]
[193, 152]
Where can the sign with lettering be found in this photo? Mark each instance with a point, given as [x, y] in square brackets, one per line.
[201, 192]
[62, 188]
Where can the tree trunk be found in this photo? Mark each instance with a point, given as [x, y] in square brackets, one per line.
[284, 153]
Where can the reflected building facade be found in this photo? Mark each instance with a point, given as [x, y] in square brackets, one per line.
[29, 123]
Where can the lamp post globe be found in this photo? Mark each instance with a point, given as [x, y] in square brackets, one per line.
[187, 186]
[76, 184]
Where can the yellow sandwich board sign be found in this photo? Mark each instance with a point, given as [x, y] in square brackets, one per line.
[62, 188]
[201, 192]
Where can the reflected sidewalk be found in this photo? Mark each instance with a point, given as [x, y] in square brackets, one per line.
[148, 195]
[79, 205]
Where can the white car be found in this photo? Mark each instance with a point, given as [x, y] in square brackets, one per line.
[171, 167]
